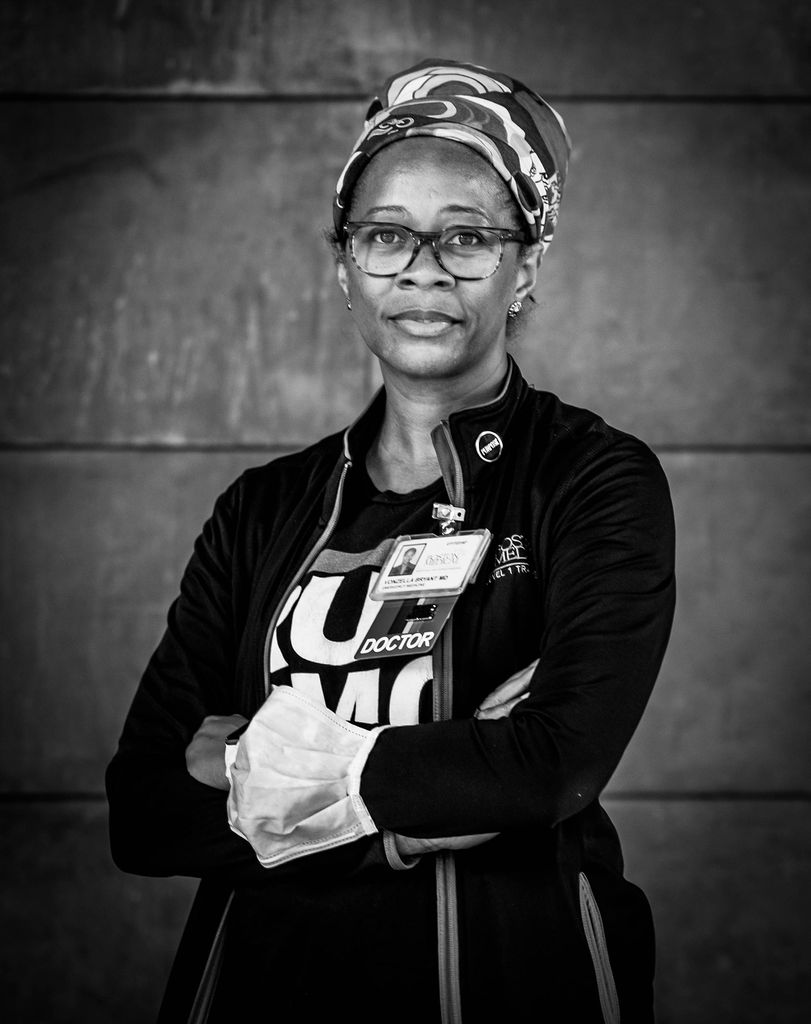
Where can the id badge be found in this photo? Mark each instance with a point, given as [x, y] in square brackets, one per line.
[424, 565]
[419, 584]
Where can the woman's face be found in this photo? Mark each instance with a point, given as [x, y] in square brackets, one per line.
[423, 323]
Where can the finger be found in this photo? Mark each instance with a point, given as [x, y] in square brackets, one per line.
[501, 710]
[511, 704]
[517, 684]
[220, 725]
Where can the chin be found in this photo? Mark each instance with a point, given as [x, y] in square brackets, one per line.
[449, 355]
[418, 355]
[428, 362]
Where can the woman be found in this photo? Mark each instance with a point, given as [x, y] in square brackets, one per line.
[409, 827]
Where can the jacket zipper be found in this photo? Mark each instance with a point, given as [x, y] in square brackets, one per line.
[595, 937]
[454, 486]
[450, 996]
[447, 915]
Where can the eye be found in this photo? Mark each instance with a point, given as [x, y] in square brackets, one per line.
[466, 238]
[385, 236]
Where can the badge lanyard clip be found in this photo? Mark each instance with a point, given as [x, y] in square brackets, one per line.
[448, 517]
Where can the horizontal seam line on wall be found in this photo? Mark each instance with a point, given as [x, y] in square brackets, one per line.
[709, 795]
[151, 447]
[270, 448]
[637, 795]
[733, 449]
[236, 96]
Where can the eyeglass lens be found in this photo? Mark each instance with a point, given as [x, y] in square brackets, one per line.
[387, 249]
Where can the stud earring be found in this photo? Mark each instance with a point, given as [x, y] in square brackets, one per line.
[514, 309]
[348, 303]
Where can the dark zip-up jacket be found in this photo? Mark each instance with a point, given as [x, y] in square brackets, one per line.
[539, 922]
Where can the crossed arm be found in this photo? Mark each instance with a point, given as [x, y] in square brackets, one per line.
[205, 758]
[609, 595]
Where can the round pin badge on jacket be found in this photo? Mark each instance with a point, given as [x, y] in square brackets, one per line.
[489, 445]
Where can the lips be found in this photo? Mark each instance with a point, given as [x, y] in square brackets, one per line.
[424, 323]
[424, 316]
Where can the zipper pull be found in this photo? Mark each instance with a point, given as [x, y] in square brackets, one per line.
[448, 517]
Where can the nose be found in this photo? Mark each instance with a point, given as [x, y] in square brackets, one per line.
[424, 269]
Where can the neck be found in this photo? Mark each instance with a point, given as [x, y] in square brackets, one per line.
[402, 456]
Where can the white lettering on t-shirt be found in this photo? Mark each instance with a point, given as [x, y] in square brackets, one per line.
[359, 700]
[307, 608]
[307, 626]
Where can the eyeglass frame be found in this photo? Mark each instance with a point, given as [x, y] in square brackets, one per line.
[419, 238]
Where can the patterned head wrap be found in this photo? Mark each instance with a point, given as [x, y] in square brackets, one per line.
[516, 131]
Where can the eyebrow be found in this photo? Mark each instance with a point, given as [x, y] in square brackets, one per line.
[385, 209]
[453, 208]
[466, 209]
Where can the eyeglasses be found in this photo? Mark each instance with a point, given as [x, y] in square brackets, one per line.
[468, 253]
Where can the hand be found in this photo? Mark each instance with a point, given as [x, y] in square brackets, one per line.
[205, 755]
[503, 699]
[295, 781]
[409, 846]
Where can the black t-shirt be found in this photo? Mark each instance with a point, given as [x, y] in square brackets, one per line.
[327, 616]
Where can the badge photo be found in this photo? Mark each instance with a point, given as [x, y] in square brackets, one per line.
[408, 560]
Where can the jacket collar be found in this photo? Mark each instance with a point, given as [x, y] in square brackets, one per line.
[479, 435]
[482, 434]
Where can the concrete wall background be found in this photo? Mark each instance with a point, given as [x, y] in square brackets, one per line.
[169, 316]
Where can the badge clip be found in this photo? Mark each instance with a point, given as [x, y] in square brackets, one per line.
[448, 516]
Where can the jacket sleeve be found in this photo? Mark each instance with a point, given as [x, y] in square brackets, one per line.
[162, 821]
[608, 551]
